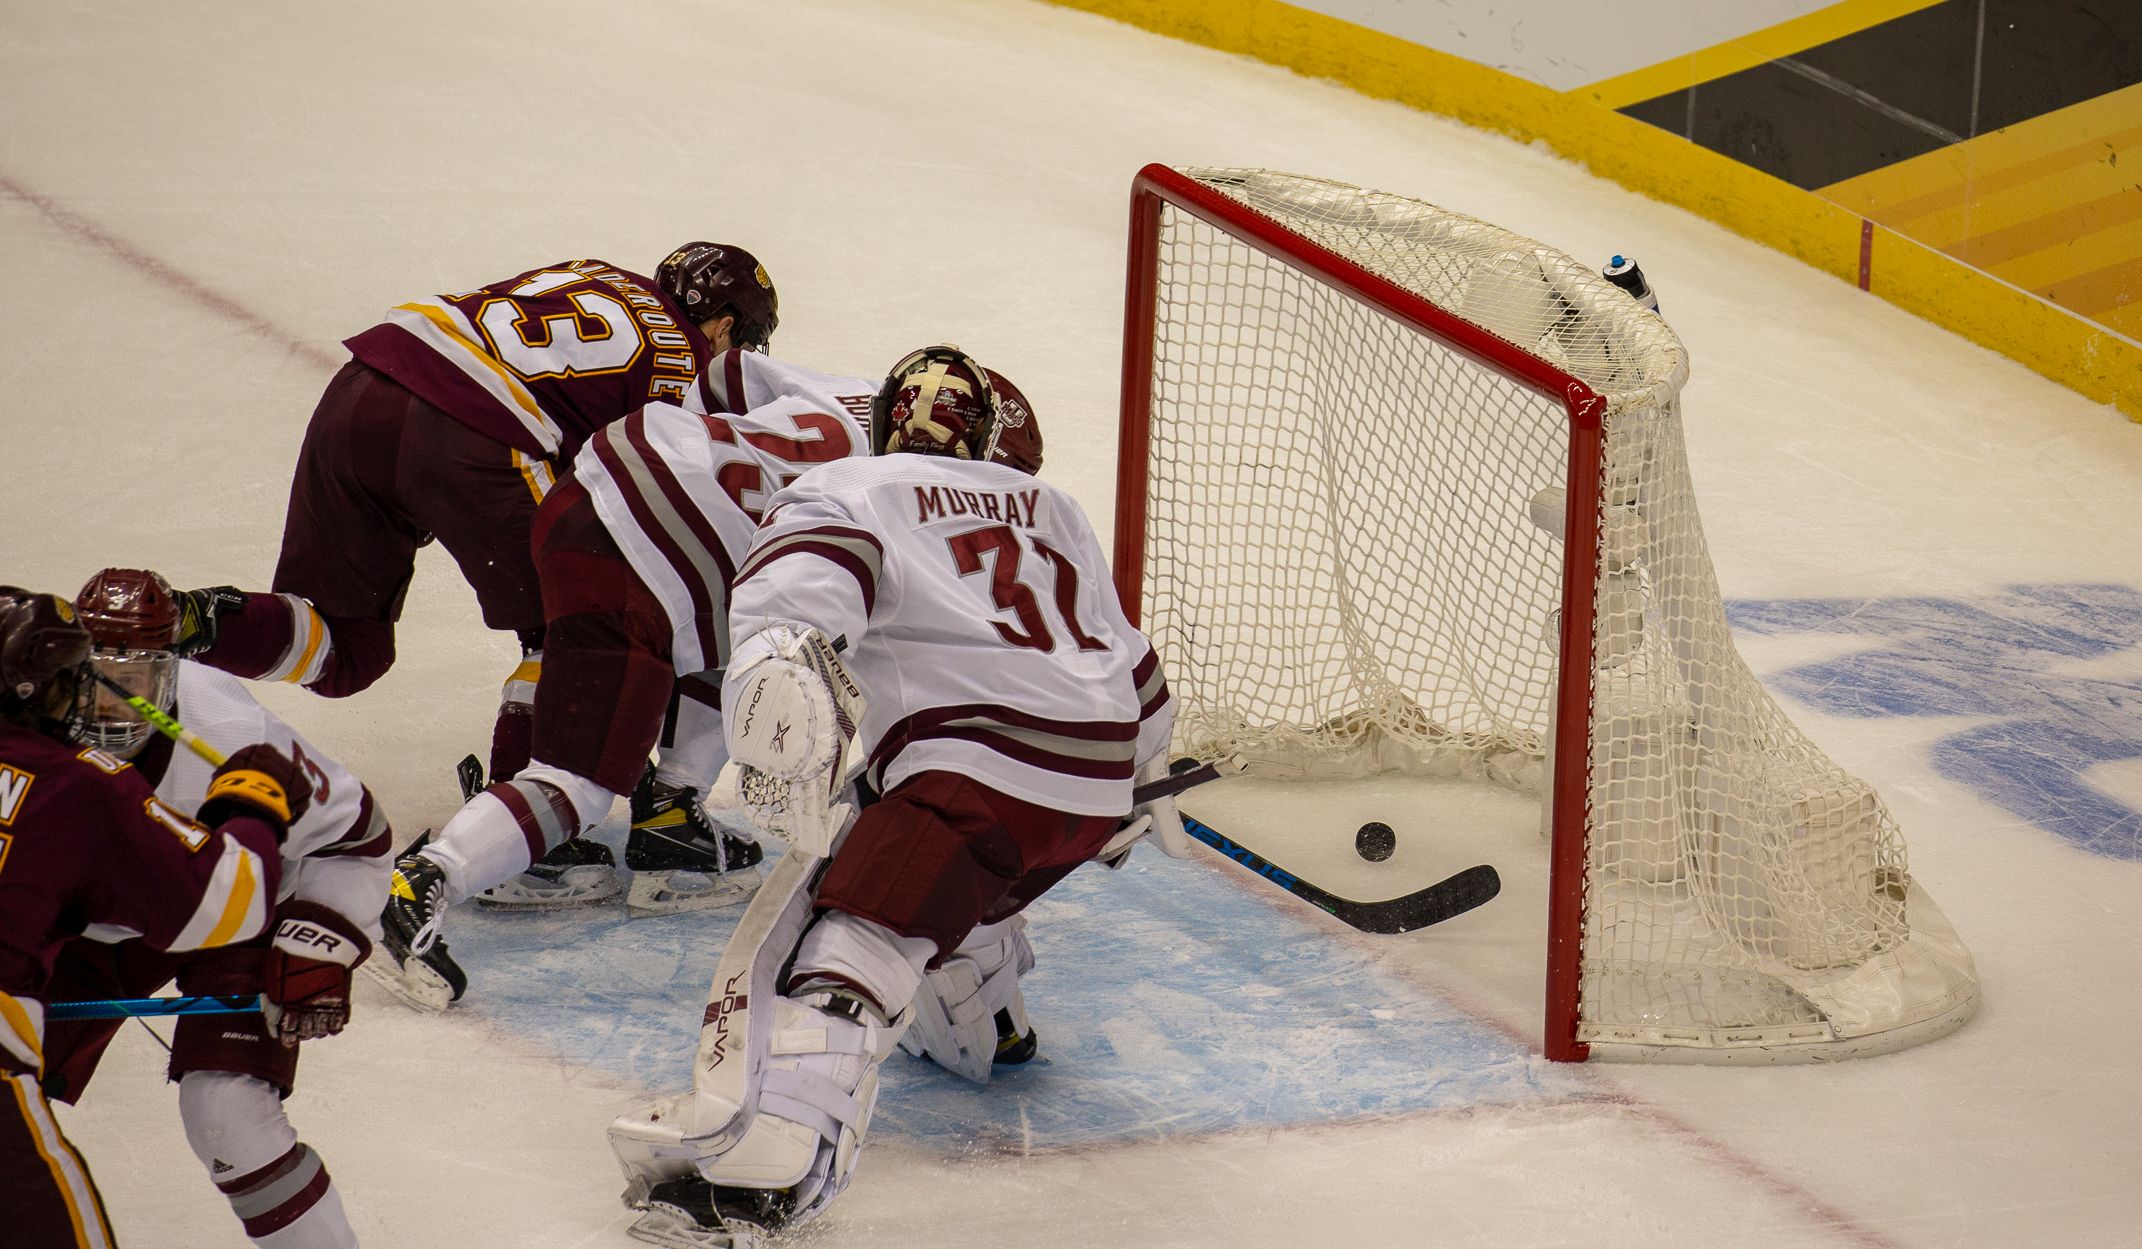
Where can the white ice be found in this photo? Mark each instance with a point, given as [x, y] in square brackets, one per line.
[198, 201]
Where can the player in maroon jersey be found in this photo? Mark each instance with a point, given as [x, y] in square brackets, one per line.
[86, 845]
[450, 422]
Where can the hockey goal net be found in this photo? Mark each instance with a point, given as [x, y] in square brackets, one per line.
[1403, 490]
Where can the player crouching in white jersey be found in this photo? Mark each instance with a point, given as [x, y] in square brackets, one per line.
[233, 1071]
[637, 549]
[944, 623]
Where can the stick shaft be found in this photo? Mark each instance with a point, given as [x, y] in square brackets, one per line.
[169, 727]
[126, 1007]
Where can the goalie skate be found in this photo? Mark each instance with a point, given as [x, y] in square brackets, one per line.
[689, 1213]
[578, 872]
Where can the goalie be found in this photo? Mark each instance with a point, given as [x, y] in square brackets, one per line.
[945, 623]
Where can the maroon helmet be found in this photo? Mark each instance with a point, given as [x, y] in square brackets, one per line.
[939, 401]
[43, 652]
[133, 618]
[708, 280]
[1018, 433]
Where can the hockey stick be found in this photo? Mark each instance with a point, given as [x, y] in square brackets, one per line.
[1442, 900]
[1188, 778]
[135, 1007]
[154, 715]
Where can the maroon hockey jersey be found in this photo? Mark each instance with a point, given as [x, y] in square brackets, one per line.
[87, 848]
[544, 359]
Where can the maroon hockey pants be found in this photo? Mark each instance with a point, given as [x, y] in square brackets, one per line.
[940, 854]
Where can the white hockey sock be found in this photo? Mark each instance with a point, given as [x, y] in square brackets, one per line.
[277, 1186]
[700, 751]
[489, 842]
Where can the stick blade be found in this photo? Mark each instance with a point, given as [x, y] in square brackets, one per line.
[1445, 899]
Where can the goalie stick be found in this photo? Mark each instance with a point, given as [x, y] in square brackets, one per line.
[1442, 900]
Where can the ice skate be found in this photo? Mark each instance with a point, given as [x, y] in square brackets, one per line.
[680, 860]
[690, 1213]
[417, 968]
[577, 872]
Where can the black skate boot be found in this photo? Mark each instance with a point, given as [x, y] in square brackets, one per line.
[417, 968]
[679, 859]
[577, 872]
[690, 1213]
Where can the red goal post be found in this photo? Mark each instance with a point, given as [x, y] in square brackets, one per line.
[1400, 489]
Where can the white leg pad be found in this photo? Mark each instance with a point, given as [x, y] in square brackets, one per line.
[847, 948]
[670, 1138]
[956, 1008]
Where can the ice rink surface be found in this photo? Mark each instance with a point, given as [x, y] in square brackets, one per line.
[1931, 554]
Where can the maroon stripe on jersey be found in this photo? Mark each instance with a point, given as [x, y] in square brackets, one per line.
[1151, 686]
[937, 723]
[732, 372]
[613, 458]
[836, 546]
[375, 848]
[713, 624]
[360, 831]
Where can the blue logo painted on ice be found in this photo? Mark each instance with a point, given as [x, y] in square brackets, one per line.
[2022, 658]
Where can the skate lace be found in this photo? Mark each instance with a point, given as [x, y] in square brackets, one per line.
[427, 934]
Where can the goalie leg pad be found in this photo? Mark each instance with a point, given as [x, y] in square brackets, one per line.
[669, 1139]
[969, 1013]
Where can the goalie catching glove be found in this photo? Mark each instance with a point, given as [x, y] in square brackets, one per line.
[790, 713]
[307, 991]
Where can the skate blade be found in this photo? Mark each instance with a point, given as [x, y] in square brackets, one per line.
[415, 985]
[669, 893]
[514, 896]
[664, 1224]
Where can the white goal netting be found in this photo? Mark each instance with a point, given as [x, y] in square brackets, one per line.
[1353, 534]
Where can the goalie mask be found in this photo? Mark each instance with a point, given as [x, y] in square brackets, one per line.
[709, 280]
[133, 617]
[938, 401]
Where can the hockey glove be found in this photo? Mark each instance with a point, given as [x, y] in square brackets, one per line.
[201, 613]
[790, 713]
[307, 994]
[260, 781]
[1156, 819]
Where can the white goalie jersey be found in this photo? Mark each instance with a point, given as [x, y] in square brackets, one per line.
[682, 492]
[339, 854]
[979, 620]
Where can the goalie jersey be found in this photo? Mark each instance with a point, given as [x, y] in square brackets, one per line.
[681, 492]
[980, 622]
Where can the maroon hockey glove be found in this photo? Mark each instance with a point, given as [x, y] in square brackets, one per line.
[307, 993]
[259, 780]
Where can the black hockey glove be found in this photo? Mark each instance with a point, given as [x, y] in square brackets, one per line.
[200, 613]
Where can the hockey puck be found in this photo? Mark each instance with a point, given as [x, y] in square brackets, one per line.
[1375, 841]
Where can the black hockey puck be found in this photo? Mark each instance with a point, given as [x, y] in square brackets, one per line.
[1375, 841]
